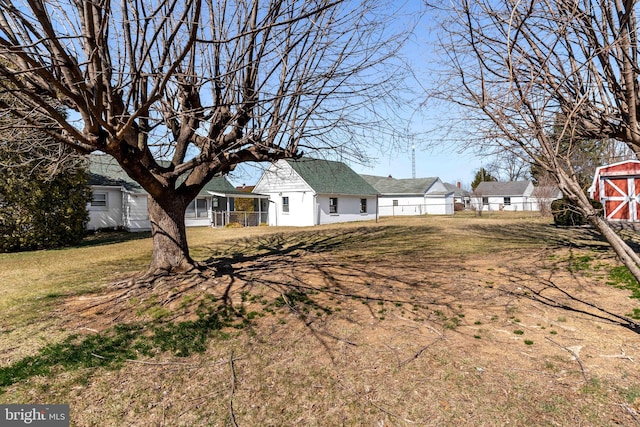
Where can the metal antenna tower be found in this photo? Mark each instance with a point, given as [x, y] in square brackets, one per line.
[413, 161]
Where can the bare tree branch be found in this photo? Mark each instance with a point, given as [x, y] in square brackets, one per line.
[544, 79]
[178, 91]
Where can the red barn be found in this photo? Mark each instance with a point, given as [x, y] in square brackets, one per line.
[617, 187]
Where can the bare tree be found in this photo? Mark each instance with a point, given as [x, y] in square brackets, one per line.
[178, 91]
[508, 166]
[545, 193]
[478, 201]
[517, 66]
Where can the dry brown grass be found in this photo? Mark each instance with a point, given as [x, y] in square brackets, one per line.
[411, 321]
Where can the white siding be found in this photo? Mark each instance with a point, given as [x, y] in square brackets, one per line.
[109, 216]
[437, 187]
[348, 209]
[302, 209]
[416, 205]
[136, 212]
[280, 178]
[200, 222]
[406, 205]
[497, 203]
[279, 181]
[439, 205]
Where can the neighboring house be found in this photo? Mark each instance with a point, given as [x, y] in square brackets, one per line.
[120, 202]
[508, 196]
[417, 196]
[309, 192]
[460, 196]
[617, 187]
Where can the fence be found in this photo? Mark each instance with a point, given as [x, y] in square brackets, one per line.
[416, 209]
[534, 205]
[246, 219]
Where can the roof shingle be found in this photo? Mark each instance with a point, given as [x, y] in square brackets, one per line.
[494, 188]
[389, 185]
[331, 177]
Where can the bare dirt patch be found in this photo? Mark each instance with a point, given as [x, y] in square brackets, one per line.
[420, 321]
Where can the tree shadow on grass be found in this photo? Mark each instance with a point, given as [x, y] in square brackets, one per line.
[107, 237]
[304, 273]
[548, 293]
[278, 263]
[550, 236]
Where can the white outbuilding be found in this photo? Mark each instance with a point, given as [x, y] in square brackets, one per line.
[417, 196]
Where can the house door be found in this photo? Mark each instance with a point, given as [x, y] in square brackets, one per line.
[620, 198]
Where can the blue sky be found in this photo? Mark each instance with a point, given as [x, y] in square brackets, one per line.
[448, 165]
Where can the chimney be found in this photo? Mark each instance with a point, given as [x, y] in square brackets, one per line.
[458, 184]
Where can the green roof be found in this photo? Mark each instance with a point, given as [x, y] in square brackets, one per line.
[104, 170]
[330, 177]
[389, 185]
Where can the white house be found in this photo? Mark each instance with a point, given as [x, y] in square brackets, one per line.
[416, 196]
[511, 196]
[120, 202]
[309, 192]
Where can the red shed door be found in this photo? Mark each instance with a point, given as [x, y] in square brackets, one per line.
[620, 197]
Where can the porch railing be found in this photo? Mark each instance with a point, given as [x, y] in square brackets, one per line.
[246, 219]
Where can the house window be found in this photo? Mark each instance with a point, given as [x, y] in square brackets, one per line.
[333, 205]
[197, 208]
[215, 202]
[485, 201]
[507, 201]
[285, 204]
[99, 200]
[395, 203]
[363, 205]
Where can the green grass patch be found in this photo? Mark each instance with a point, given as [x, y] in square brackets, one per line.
[110, 349]
[621, 278]
[632, 394]
[580, 263]
[635, 314]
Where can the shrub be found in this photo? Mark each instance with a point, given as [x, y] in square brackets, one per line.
[565, 213]
[41, 214]
[234, 225]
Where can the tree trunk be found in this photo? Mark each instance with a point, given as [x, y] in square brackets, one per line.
[170, 249]
[627, 256]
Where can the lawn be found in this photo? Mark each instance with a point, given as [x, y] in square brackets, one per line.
[458, 320]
